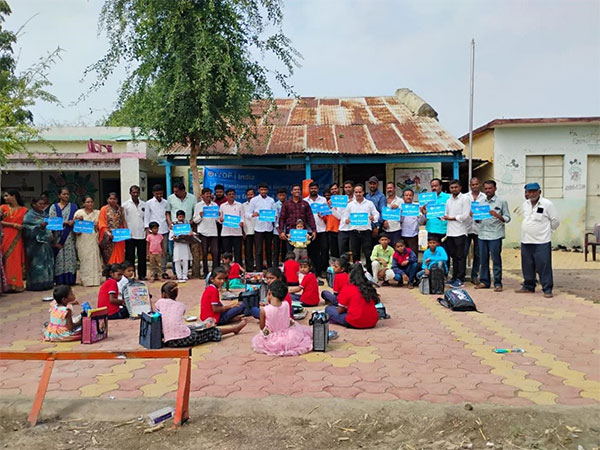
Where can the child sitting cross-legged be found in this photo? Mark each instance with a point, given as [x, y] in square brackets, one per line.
[176, 333]
[108, 295]
[210, 304]
[434, 255]
[234, 280]
[356, 303]
[280, 335]
[404, 264]
[62, 327]
[309, 286]
[273, 274]
[291, 269]
[340, 269]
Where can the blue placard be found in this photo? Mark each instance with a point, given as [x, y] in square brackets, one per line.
[83, 226]
[426, 198]
[297, 235]
[390, 213]
[121, 234]
[339, 201]
[410, 210]
[266, 215]
[359, 219]
[435, 211]
[480, 212]
[315, 207]
[181, 228]
[231, 221]
[55, 223]
[325, 210]
[210, 212]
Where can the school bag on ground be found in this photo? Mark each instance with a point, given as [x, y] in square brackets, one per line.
[436, 280]
[330, 275]
[424, 285]
[249, 299]
[94, 326]
[150, 331]
[320, 325]
[458, 300]
[381, 311]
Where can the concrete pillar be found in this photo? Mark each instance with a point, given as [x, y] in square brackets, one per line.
[130, 175]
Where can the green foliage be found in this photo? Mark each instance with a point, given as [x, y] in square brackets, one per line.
[18, 92]
[193, 66]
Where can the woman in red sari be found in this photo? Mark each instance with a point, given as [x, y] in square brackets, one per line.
[13, 250]
[111, 217]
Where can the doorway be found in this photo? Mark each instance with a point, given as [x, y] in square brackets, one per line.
[110, 185]
[592, 199]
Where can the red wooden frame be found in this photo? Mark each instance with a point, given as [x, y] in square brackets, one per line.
[183, 388]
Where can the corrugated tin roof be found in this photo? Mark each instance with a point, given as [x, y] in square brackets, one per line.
[344, 126]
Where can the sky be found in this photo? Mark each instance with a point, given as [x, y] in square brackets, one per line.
[535, 58]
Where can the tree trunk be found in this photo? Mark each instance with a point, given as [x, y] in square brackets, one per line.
[194, 152]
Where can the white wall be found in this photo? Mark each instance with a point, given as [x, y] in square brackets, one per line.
[574, 142]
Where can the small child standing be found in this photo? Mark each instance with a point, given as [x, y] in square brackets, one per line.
[404, 264]
[62, 327]
[234, 281]
[309, 286]
[300, 248]
[176, 333]
[154, 243]
[435, 255]
[181, 251]
[381, 260]
[291, 269]
[280, 335]
[340, 269]
[108, 295]
[210, 303]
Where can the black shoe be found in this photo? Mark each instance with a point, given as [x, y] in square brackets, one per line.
[320, 283]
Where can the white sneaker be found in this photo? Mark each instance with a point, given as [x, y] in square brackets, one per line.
[181, 281]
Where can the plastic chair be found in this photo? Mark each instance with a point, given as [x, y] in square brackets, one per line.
[592, 240]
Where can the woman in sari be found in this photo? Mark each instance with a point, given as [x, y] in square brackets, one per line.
[111, 217]
[65, 259]
[38, 245]
[13, 250]
[90, 262]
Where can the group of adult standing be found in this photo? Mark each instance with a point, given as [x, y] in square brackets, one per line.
[36, 258]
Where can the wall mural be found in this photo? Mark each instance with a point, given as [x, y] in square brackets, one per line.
[419, 180]
[575, 176]
[79, 186]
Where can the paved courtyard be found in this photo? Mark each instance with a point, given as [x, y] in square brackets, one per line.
[424, 352]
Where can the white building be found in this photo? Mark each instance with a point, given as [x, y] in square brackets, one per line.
[562, 154]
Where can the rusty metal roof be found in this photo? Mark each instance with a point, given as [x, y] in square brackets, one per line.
[340, 126]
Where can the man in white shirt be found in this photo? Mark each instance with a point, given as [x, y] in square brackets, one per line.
[135, 210]
[156, 209]
[540, 219]
[393, 228]
[249, 232]
[344, 233]
[207, 228]
[475, 196]
[232, 237]
[361, 235]
[318, 249]
[458, 212]
[263, 231]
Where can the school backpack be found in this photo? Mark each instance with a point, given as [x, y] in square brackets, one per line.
[381, 312]
[424, 285]
[436, 280]
[458, 300]
[330, 275]
[249, 299]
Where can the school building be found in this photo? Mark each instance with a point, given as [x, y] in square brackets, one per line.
[561, 154]
[88, 160]
[396, 138]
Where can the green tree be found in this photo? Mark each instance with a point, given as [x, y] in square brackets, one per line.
[18, 92]
[195, 67]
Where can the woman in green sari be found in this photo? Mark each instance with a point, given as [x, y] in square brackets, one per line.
[38, 245]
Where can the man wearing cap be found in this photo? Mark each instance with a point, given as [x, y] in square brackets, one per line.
[540, 219]
[378, 199]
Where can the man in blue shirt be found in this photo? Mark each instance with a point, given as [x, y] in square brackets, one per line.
[378, 199]
[436, 227]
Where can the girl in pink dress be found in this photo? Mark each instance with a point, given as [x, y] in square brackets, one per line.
[280, 335]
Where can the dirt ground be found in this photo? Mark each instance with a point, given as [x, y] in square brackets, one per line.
[583, 283]
[283, 423]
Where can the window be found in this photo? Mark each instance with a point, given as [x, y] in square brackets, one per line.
[548, 171]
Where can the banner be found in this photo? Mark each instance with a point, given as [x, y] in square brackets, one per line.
[240, 179]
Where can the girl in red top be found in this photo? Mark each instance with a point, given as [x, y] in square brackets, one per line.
[210, 304]
[291, 269]
[108, 295]
[309, 287]
[273, 274]
[340, 269]
[356, 308]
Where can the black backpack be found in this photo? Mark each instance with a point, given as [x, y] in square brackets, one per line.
[437, 277]
[249, 299]
[458, 300]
